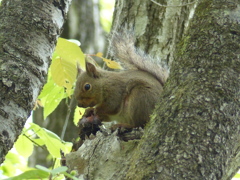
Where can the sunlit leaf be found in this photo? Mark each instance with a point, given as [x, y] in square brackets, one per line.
[39, 142]
[69, 51]
[9, 166]
[237, 175]
[64, 72]
[46, 89]
[78, 43]
[65, 59]
[24, 146]
[78, 113]
[51, 96]
[54, 97]
[53, 143]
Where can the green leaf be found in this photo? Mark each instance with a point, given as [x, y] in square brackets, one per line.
[39, 141]
[46, 89]
[51, 101]
[59, 170]
[52, 141]
[51, 96]
[24, 146]
[43, 168]
[70, 176]
[9, 166]
[54, 171]
[31, 174]
[13, 158]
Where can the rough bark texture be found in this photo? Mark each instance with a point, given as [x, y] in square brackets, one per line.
[109, 152]
[28, 34]
[194, 131]
[157, 29]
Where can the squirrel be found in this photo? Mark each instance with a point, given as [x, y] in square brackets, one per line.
[127, 96]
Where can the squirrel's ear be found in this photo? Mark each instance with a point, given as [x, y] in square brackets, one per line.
[92, 70]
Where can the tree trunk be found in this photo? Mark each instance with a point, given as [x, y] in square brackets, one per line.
[84, 25]
[194, 130]
[28, 34]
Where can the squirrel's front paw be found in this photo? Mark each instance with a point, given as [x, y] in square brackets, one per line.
[121, 127]
[89, 124]
[90, 117]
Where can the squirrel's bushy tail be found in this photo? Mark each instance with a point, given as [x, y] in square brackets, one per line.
[122, 48]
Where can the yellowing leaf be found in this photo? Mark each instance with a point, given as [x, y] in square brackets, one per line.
[63, 67]
[99, 54]
[69, 51]
[37, 104]
[63, 72]
[112, 64]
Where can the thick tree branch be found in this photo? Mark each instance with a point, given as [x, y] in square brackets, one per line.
[195, 132]
[28, 34]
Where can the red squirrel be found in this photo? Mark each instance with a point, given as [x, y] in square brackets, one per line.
[127, 96]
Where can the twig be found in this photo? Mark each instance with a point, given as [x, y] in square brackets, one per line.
[67, 118]
[29, 138]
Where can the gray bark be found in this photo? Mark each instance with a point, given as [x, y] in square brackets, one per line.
[157, 29]
[28, 34]
[194, 130]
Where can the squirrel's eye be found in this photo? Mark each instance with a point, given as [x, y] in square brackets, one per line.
[87, 86]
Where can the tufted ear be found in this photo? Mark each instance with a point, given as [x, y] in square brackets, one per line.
[92, 70]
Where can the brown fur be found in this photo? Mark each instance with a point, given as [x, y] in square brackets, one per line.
[128, 96]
